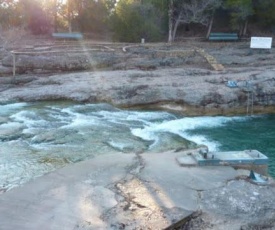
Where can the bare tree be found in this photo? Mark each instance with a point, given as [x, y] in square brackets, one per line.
[190, 11]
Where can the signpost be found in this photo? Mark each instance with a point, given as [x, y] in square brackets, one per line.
[261, 42]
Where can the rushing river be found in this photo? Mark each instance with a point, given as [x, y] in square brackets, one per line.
[37, 138]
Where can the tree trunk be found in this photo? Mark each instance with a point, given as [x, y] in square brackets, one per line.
[80, 9]
[210, 27]
[55, 16]
[241, 26]
[175, 29]
[69, 23]
[245, 27]
[69, 11]
[170, 21]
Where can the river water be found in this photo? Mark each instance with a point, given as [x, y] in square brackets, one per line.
[36, 138]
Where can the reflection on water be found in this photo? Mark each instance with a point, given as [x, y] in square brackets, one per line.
[38, 138]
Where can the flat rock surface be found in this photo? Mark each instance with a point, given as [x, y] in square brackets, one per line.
[189, 77]
[129, 191]
[190, 91]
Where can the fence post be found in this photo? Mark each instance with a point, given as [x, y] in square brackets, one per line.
[13, 64]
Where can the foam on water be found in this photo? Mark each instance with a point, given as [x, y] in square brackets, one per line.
[118, 145]
[11, 125]
[149, 116]
[181, 128]
[148, 133]
[78, 120]
[8, 108]
[30, 119]
[81, 116]
[53, 135]
[202, 140]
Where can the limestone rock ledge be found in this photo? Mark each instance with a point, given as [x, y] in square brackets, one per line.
[188, 91]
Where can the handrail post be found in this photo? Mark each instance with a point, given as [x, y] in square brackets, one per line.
[13, 64]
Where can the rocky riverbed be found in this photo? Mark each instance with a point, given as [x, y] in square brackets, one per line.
[141, 191]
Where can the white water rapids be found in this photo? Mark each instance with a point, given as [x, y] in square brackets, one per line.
[36, 138]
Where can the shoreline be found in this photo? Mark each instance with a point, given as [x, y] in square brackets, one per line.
[176, 90]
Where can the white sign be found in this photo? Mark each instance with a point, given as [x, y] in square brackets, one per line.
[261, 42]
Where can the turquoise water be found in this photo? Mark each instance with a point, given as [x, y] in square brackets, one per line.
[36, 138]
[256, 132]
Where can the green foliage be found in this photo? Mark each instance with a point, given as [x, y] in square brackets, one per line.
[265, 12]
[130, 20]
[240, 11]
[110, 5]
[133, 21]
[160, 4]
[93, 17]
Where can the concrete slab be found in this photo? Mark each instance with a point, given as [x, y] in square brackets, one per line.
[255, 155]
[121, 191]
[187, 161]
[163, 169]
[73, 196]
[246, 157]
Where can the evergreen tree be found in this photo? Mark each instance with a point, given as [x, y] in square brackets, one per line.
[241, 10]
[264, 11]
[133, 20]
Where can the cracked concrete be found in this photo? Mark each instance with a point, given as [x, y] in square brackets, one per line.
[136, 191]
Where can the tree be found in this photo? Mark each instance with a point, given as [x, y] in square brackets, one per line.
[171, 20]
[264, 11]
[10, 14]
[190, 11]
[241, 10]
[35, 16]
[92, 16]
[133, 20]
[110, 5]
[83, 15]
